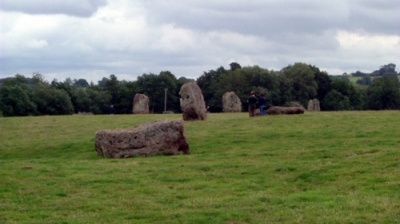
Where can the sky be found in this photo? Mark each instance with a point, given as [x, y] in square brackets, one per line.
[92, 39]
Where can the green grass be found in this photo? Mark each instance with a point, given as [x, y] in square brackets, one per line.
[325, 167]
[354, 79]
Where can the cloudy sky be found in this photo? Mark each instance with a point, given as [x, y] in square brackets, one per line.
[92, 39]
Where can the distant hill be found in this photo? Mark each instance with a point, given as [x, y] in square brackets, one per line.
[3, 80]
[389, 69]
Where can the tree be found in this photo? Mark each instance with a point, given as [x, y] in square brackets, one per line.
[100, 100]
[389, 69]
[335, 100]
[16, 97]
[384, 93]
[230, 81]
[323, 83]
[81, 99]
[18, 80]
[90, 98]
[121, 93]
[67, 85]
[59, 103]
[81, 83]
[15, 101]
[365, 81]
[21, 96]
[285, 91]
[50, 100]
[302, 82]
[262, 81]
[208, 83]
[348, 93]
[125, 93]
[169, 81]
[110, 85]
[234, 66]
[154, 87]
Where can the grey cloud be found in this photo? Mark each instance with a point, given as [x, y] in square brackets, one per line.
[79, 8]
[269, 18]
[252, 17]
[375, 16]
[289, 27]
[269, 33]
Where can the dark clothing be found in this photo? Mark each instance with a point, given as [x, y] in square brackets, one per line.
[252, 105]
[252, 100]
[112, 110]
[262, 101]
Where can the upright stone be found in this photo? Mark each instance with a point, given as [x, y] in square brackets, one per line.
[231, 102]
[157, 137]
[310, 106]
[140, 104]
[316, 105]
[313, 105]
[192, 102]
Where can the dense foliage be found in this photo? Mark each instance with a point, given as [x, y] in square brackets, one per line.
[21, 96]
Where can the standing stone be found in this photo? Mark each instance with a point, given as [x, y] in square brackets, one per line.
[310, 106]
[192, 102]
[231, 102]
[316, 105]
[140, 104]
[157, 137]
[313, 105]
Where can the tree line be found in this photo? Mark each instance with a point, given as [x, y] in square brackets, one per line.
[300, 82]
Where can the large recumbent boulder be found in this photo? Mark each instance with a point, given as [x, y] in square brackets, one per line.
[157, 137]
[276, 110]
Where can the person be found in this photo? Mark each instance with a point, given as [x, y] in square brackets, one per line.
[262, 101]
[252, 101]
[112, 109]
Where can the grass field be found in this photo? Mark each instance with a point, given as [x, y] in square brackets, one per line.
[354, 79]
[322, 167]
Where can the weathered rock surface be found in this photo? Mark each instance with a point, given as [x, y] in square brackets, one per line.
[140, 104]
[231, 102]
[313, 105]
[296, 104]
[276, 110]
[157, 137]
[192, 102]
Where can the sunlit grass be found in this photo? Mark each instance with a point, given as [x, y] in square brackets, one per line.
[326, 167]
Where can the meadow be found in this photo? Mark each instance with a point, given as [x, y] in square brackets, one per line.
[354, 79]
[318, 167]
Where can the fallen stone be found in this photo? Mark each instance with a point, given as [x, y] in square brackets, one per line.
[276, 110]
[158, 137]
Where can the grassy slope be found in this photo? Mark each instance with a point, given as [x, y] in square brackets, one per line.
[327, 167]
[353, 79]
